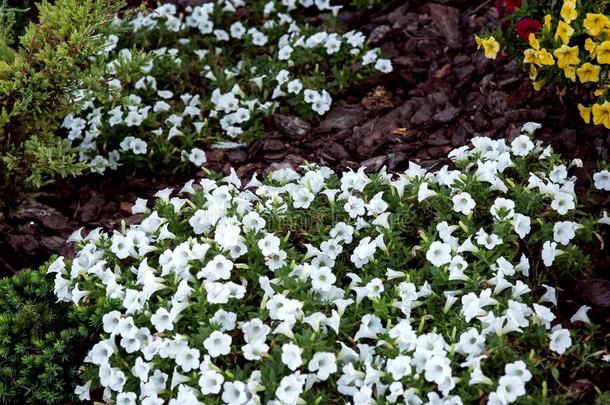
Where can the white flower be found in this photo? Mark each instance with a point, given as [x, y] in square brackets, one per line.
[563, 202]
[83, 392]
[437, 369]
[518, 369]
[463, 202]
[162, 320]
[384, 65]
[399, 367]
[269, 245]
[111, 321]
[605, 219]
[602, 180]
[188, 359]
[560, 340]
[490, 241]
[294, 86]
[210, 382]
[522, 145]
[439, 253]
[121, 246]
[291, 356]
[354, 206]
[322, 278]
[564, 231]
[217, 344]
[531, 127]
[302, 198]
[544, 314]
[234, 392]
[126, 398]
[290, 388]
[323, 364]
[100, 352]
[581, 315]
[424, 192]
[510, 388]
[225, 319]
[522, 225]
[219, 268]
[197, 157]
[502, 208]
[255, 350]
[549, 253]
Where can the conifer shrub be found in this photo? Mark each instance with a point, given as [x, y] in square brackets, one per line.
[39, 71]
[324, 288]
[42, 341]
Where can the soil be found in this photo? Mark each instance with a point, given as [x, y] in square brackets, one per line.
[441, 93]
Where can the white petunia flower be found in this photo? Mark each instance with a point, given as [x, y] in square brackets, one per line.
[549, 253]
[439, 253]
[291, 356]
[563, 202]
[522, 145]
[560, 340]
[323, 364]
[217, 344]
[602, 180]
[463, 202]
[210, 382]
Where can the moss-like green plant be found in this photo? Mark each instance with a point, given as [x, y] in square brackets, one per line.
[42, 342]
[38, 75]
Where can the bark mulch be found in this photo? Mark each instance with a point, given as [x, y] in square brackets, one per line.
[442, 93]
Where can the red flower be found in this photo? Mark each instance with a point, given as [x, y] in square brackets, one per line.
[511, 5]
[527, 26]
[509, 8]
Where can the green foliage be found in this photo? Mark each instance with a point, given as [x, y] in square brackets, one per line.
[37, 81]
[21, 13]
[42, 342]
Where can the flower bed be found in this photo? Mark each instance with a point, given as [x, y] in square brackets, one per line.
[211, 75]
[319, 288]
[564, 44]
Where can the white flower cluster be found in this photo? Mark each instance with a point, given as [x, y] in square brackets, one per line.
[211, 75]
[314, 288]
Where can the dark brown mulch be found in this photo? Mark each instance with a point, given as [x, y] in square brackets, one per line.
[441, 93]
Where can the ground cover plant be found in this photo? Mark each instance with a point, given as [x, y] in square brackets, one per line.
[561, 43]
[422, 287]
[210, 75]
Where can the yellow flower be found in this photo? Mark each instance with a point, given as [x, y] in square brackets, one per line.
[603, 52]
[547, 21]
[534, 42]
[566, 56]
[568, 11]
[595, 23]
[600, 92]
[531, 56]
[545, 57]
[570, 73]
[590, 46]
[490, 46]
[533, 73]
[564, 31]
[588, 73]
[585, 113]
[601, 114]
[538, 85]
